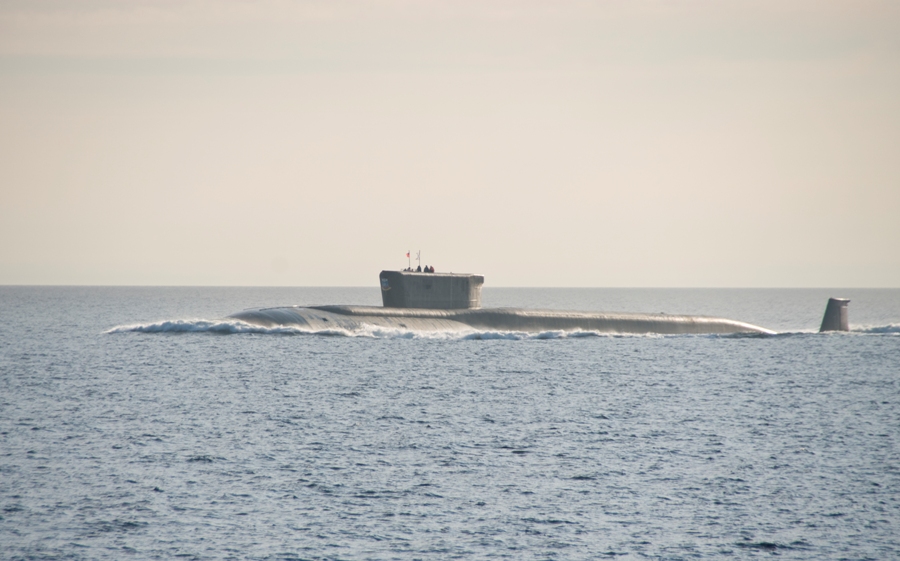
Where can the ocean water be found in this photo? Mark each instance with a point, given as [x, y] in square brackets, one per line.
[136, 423]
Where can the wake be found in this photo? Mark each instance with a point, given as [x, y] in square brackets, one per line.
[238, 327]
[890, 329]
[224, 327]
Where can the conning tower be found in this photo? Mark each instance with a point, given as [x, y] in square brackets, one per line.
[436, 291]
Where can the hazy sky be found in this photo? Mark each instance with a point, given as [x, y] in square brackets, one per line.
[677, 143]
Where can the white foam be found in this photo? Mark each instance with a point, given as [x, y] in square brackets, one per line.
[202, 326]
[891, 328]
[232, 326]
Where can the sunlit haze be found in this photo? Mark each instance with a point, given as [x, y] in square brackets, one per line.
[734, 144]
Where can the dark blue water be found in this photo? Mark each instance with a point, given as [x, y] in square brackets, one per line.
[202, 444]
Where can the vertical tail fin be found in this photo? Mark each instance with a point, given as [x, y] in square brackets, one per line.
[836, 316]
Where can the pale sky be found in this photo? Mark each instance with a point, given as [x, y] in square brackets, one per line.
[677, 143]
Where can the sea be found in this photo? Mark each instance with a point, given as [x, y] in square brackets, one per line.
[141, 423]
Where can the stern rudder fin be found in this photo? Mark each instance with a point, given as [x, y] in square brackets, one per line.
[836, 318]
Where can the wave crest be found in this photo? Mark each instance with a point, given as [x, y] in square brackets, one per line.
[201, 326]
[891, 328]
[232, 327]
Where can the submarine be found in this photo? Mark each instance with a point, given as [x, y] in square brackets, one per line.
[424, 301]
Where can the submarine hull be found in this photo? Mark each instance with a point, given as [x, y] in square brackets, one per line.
[320, 318]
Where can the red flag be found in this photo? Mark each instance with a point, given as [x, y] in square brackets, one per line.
[407, 254]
